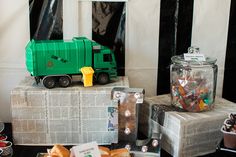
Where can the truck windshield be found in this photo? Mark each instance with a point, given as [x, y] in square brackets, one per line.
[107, 58]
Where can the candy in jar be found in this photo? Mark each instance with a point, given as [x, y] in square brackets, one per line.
[193, 81]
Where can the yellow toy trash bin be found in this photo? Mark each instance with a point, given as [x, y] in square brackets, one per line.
[87, 76]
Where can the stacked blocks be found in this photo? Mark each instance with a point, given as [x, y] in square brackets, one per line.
[187, 134]
[68, 116]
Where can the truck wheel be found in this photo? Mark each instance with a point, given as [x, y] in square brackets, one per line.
[49, 82]
[103, 78]
[64, 81]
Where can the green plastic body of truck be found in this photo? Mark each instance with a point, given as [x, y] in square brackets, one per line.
[59, 61]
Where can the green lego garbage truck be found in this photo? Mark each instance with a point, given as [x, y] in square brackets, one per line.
[59, 62]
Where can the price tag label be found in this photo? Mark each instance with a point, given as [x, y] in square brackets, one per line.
[87, 150]
[194, 57]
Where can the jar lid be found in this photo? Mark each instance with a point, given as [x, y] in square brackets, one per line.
[179, 59]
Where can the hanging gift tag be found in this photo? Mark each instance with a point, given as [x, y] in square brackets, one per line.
[194, 57]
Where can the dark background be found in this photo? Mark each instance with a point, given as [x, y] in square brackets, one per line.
[175, 34]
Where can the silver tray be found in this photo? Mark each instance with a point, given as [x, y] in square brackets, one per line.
[133, 154]
[146, 154]
[1, 126]
[41, 154]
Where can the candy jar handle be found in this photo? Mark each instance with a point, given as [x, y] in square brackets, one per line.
[193, 49]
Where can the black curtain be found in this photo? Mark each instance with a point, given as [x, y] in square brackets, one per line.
[229, 85]
[109, 29]
[46, 19]
[174, 37]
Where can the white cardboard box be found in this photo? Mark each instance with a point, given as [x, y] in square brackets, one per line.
[186, 134]
[68, 116]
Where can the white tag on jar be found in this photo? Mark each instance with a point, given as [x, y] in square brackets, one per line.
[194, 57]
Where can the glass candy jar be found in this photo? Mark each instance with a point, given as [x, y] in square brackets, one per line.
[193, 81]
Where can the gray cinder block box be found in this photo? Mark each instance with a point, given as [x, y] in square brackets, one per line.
[72, 115]
[187, 134]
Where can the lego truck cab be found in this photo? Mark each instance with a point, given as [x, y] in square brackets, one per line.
[59, 62]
